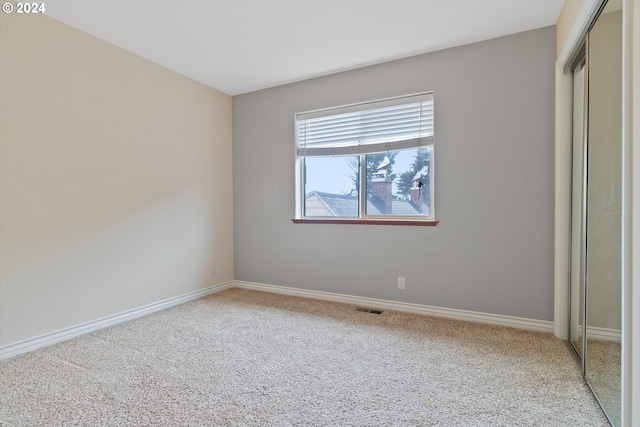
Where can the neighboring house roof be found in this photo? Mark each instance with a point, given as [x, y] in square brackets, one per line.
[346, 205]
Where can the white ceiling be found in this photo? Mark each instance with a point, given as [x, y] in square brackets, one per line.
[239, 46]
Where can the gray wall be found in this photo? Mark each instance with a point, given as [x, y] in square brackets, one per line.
[493, 248]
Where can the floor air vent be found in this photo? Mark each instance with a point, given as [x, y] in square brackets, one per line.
[368, 310]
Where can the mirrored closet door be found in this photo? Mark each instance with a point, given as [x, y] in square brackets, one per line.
[595, 283]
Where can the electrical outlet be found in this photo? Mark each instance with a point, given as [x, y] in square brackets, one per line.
[212, 270]
[401, 282]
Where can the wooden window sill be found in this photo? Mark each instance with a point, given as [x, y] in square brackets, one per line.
[413, 222]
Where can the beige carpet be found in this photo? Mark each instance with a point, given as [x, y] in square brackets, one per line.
[245, 358]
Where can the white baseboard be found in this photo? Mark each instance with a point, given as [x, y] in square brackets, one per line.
[11, 350]
[604, 334]
[449, 313]
[597, 333]
[16, 349]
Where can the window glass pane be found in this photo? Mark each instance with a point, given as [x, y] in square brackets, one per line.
[331, 186]
[398, 182]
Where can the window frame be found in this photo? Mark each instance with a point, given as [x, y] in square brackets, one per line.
[363, 216]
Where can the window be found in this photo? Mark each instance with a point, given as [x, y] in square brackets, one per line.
[369, 161]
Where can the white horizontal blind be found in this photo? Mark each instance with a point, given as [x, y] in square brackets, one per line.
[380, 126]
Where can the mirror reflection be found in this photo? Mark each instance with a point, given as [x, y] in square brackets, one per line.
[604, 195]
[595, 284]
